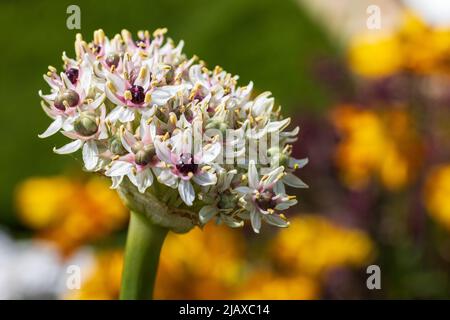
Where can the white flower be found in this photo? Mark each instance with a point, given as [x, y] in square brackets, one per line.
[263, 197]
[167, 130]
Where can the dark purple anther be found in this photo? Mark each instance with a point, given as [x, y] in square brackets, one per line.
[72, 74]
[137, 94]
[186, 164]
[265, 200]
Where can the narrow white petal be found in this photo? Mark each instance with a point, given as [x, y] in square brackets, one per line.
[69, 148]
[115, 114]
[285, 204]
[162, 151]
[243, 190]
[273, 175]
[186, 191]
[275, 220]
[205, 179]
[54, 127]
[278, 125]
[144, 179]
[299, 162]
[255, 219]
[112, 97]
[294, 181]
[126, 115]
[211, 154]
[119, 168]
[116, 181]
[253, 178]
[90, 155]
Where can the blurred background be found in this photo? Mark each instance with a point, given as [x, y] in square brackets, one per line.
[373, 105]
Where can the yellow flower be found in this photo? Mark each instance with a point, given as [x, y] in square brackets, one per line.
[436, 194]
[202, 264]
[41, 201]
[70, 212]
[212, 264]
[266, 285]
[425, 49]
[414, 47]
[313, 245]
[375, 55]
[380, 144]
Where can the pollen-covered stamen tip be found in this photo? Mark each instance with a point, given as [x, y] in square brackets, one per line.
[186, 164]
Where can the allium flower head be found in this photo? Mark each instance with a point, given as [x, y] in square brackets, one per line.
[181, 143]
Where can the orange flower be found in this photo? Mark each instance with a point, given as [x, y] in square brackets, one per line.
[376, 144]
[70, 212]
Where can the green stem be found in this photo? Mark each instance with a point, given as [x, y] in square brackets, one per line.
[144, 242]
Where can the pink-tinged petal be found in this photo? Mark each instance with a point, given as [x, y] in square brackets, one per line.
[166, 177]
[69, 148]
[119, 168]
[253, 177]
[294, 181]
[205, 179]
[54, 127]
[97, 102]
[206, 213]
[128, 140]
[255, 219]
[90, 155]
[68, 84]
[143, 78]
[186, 191]
[112, 97]
[51, 82]
[118, 83]
[49, 98]
[73, 135]
[163, 152]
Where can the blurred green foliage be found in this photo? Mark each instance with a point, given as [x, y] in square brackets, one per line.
[270, 42]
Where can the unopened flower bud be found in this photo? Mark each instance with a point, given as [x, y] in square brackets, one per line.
[219, 125]
[227, 201]
[143, 154]
[116, 147]
[112, 59]
[67, 97]
[86, 124]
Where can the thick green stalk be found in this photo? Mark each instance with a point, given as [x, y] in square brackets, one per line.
[144, 242]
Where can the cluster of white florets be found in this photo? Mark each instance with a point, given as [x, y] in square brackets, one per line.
[140, 110]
